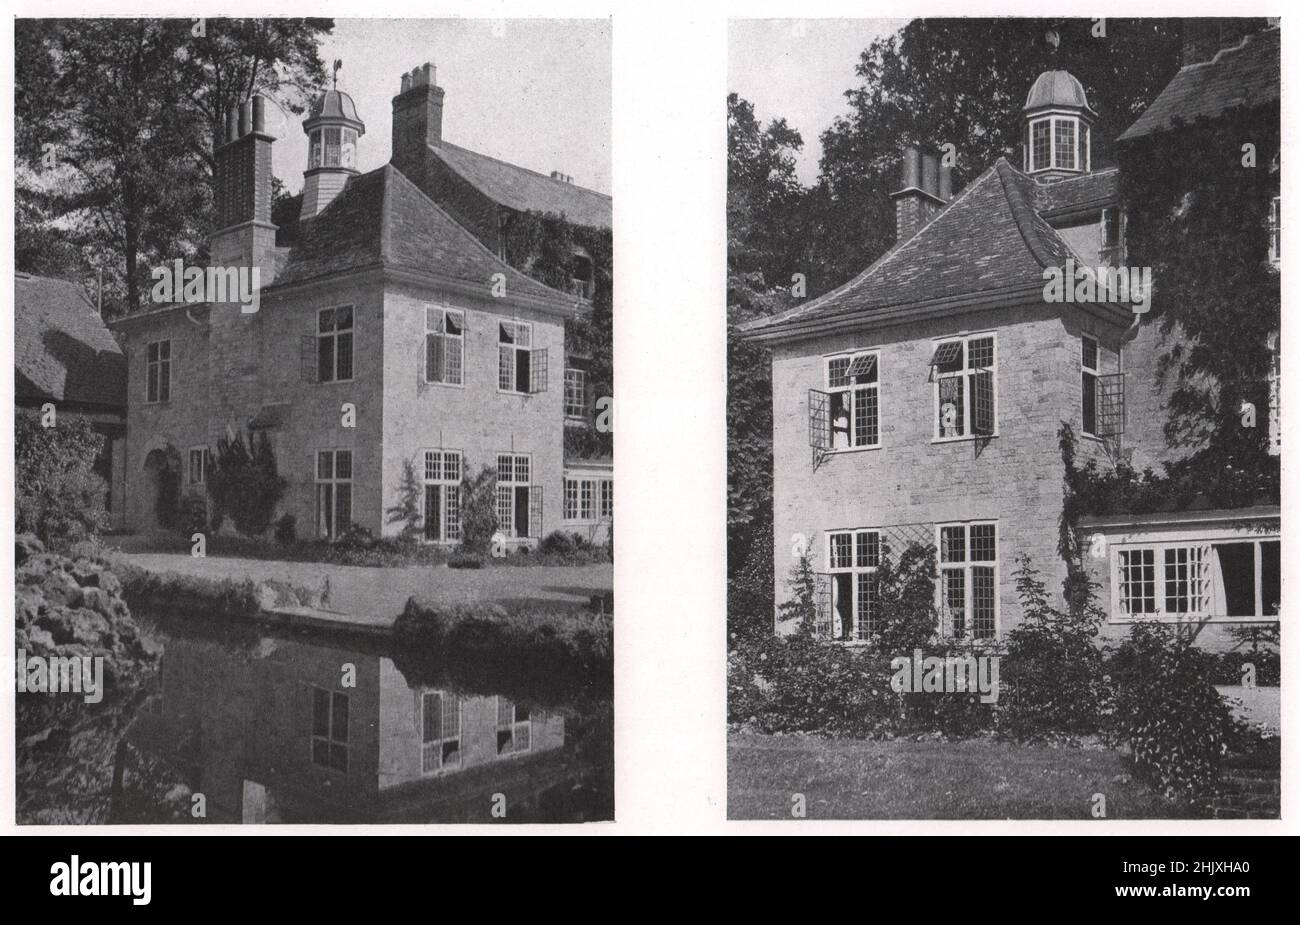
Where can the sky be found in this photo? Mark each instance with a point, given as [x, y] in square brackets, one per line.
[534, 92]
[799, 70]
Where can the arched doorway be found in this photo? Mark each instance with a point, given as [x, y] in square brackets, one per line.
[162, 469]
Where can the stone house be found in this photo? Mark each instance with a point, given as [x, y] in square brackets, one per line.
[921, 401]
[386, 333]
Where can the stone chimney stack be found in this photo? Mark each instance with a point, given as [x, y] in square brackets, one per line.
[927, 188]
[417, 115]
[244, 235]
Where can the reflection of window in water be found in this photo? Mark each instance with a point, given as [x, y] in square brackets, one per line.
[514, 727]
[440, 725]
[329, 729]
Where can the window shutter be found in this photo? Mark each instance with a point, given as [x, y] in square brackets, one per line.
[822, 600]
[434, 358]
[538, 371]
[535, 510]
[819, 420]
[982, 410]
[308, 358]
[1110, 405]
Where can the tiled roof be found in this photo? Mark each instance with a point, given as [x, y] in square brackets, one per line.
[383, 219]
[62, 350]
[1088, 190]
[990, 238]
[1245, 75]
[526, 190]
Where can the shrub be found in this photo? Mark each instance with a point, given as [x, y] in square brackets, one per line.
[1166, 710]
[909, 620]
[408, 511]
[751, 599]
[355, 537]
[244, 482]
[1053, 668]
[478, 510]
[286, 529]
[463, 560]
[561, 543]
[802, 606]
[59, 498]
[194, 515]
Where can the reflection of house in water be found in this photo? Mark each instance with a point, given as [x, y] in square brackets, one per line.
[269, 734]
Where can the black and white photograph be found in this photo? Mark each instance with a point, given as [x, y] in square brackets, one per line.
[314, 485]
[1003, 423]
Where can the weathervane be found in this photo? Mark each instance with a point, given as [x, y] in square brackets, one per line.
[338, 63]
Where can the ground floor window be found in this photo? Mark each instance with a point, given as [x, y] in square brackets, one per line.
[514, 727]
[333, 492]
[440, 725]
[968, 579]
[1232, 578]
[199, 462]
[329, 729]
[519, 503]
[588, 500]
[854, 613]
[442, 473]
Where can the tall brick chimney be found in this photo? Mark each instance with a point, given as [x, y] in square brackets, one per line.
[417, 115]
[927, 187]
[244, 235]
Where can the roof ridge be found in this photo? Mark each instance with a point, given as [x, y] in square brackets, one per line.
[1023, 212]
[536, 173]
[1232, 49]
[475, 242]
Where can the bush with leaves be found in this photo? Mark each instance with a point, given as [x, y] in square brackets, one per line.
[409, 509]
[478, 510]
[244, 482]
[905, 591]
[1166, 710]
[751, 588]
[58, 496]
[1052, 675]
[286, 529]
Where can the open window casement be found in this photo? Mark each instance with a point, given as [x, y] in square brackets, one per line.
[822, 604]
[819, 419]
[982, 418]
[1110, 405]
[538, 369]
[946, 357]
[535, 511]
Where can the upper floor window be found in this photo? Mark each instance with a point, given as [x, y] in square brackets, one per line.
[334, 344]
[575, 392]
[1090, 360]
[522, 367]
[1060, 142]
[965, 399]
[1112, 230]
[853, 387]
[444, 346]
[158, 371]
[1275, 231]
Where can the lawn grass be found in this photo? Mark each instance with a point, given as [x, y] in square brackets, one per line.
[974, 779]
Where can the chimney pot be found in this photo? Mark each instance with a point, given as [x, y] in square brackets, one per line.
[429, 74]
[245, 114]
[911, 168]
[232, 123]
[945, 182]
[259, 114]
[930, 174]
[406, 82]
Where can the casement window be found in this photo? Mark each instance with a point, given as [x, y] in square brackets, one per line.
[440, 731]
[847, 415]
[332, 147]
[444, 346]
[200, 458]
[965, 391]
[606, 510]
[588, 500]
[514, 728]
[333, 343]
[575, 393]
[1275, 231]
[854, 611]
[968, 579]
[1090, 362]
[333, 492]
[1208, 579]
[522, 368]
[1102, 395]
[1112, 229]
[158, 371]
[442, 475]
[329, 729]
[1060, 142]
[519, 503]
